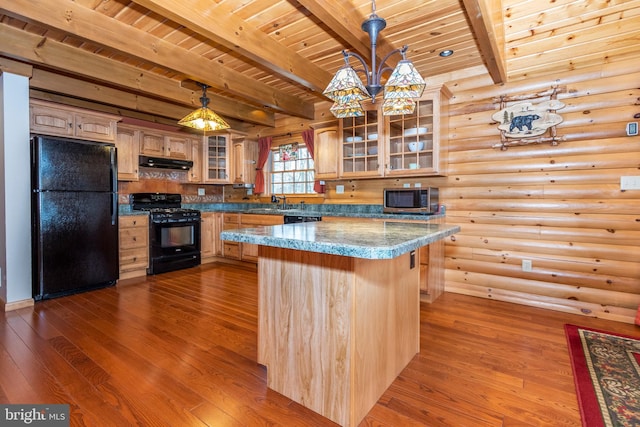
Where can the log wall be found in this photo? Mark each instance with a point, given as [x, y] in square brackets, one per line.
[561, 207]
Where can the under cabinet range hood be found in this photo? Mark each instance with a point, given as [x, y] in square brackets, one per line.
[165, 163]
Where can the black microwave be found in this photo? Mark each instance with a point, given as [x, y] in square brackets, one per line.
[411, 200]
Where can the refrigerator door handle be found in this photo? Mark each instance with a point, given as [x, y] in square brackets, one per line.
[114, 186]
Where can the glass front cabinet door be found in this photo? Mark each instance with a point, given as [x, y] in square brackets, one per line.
[217, 149]
[361, 144]
[418, 142]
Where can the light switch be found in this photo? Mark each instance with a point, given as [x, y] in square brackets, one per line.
[339, 189]
[630, 182]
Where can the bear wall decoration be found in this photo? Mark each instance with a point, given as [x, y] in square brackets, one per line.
[525, 119]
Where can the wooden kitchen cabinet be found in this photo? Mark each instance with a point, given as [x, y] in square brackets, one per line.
[134, 245]
[231, 221]
[245, 157]
[396, 146]
[161, 144]
[195, 174]
[361, 151]
[210, 243]
[128, 145]
[326, 152]
[249, 252]
[216, 159]
[49, 118]
[417, 143]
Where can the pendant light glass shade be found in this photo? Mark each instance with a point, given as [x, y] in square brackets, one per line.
[341, 111]
[346, 87]
[203, 118]
[404, 82]
[397, 106]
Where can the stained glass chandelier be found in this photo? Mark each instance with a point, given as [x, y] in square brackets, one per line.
[404, 85]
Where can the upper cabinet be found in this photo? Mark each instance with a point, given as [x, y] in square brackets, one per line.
[405, 145]
[230, 158]
[161, 144]
[417, 143]
[326, 152]
[56, 119]
[245, 157]
[361, 144]
[128, 145]
[216, 155]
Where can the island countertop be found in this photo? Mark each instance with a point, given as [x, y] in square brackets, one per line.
[366, 239]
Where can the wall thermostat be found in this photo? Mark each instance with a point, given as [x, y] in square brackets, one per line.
[632, 128]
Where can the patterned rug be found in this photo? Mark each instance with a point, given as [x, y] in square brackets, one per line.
[606, 370]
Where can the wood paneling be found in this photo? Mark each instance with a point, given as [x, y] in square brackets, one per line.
[559, 206]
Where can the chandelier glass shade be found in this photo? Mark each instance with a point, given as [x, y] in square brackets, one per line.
[204, 118]
[402, 88]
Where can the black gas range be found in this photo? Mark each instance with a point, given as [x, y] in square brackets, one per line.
[174, 231]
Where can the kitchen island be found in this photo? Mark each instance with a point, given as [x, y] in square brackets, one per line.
[338, 309]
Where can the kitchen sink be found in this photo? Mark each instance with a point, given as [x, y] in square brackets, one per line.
[275, 211]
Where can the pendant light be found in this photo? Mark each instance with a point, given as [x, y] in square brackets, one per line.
[400, 91]
[203, 118]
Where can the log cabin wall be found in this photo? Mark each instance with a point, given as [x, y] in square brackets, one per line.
[561, 207]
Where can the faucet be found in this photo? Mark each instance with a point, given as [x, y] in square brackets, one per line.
[276, 199]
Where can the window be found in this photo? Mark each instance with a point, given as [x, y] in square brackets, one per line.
[293, 176]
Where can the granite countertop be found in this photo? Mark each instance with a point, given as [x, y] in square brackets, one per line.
[333, 210]
[371, 240]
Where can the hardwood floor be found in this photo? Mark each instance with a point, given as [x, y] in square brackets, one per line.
[179, 349]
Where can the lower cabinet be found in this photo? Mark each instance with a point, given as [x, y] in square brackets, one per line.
[248, 251]
[231, 250]
[215, 222]
[134, 245]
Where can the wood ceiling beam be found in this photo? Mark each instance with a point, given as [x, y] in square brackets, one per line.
[71, 18]
[487, 22]
[341, 19]
[45, 52]
[217, 22]
[122, 102]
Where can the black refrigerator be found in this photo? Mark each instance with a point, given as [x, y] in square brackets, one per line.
[74, 216]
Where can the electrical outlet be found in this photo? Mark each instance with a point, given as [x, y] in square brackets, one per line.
[527, 265]
[200, 191]
[339, 189]
[417, 185]
[406, 185]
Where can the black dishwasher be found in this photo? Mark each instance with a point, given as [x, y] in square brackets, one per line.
[293, 219]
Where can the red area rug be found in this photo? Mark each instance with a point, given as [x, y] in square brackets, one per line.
[606, 370]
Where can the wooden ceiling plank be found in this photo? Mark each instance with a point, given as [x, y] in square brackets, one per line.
[241, 37]
[90, 25]
[38, 50]
[488, 27]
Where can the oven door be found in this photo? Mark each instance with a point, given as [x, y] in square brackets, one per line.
[174, 244]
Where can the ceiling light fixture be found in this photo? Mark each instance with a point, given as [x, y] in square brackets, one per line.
[446, 52]
[203, 118]
[400, 91]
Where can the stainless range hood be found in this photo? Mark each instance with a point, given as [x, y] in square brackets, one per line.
[165, 163]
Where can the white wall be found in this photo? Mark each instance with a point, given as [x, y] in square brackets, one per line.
[15, 189]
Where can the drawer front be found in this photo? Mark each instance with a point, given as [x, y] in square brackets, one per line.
[128, 221]
[231, 218]
[133, 238]
[133, 259]
[231, 250]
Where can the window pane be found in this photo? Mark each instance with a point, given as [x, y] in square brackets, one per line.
[292, 176]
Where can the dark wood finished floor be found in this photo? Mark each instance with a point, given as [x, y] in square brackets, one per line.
[179, 349]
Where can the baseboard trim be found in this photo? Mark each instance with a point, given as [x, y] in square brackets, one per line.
[16, 305]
